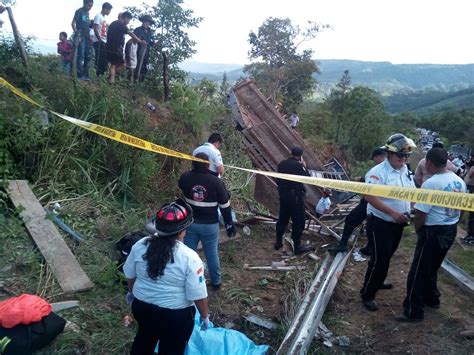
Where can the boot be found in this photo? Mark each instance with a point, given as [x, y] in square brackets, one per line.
[278, 243]
[340, 248]
[303, 249]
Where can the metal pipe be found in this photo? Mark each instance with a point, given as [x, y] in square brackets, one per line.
[305, 330]
[299, 316]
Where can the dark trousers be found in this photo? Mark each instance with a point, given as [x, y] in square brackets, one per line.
[353, 220]
[291, 206]
[172, 327]
[386, 237]
[431, 247]
[470, 223]
[100, 58]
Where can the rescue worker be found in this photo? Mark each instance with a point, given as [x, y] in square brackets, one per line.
[358, 215]
[205, 192]
[211, 149]
[292, 199]
[436, 229]
[165, 280]
[386, 217]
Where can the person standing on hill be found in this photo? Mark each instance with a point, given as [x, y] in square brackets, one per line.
[206, 193]
[358, 215]
[100, 38]
[131, 58]
[144, 33]
[469, 180]
[294, 120]
[80, 26]
[165, 280]
[211, 149]
[436, 229]
[386, 217]
[65, 49]
[115, 42]
[292, 199]
[422, 174]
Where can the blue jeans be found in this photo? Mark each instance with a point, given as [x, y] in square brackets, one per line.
[66, 67]
[83, 56]
[208, 234]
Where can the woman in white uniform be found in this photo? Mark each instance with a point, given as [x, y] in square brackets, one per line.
[165, 280]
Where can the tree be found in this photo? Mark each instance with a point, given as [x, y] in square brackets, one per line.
[359, 119]
[336, 101]
[280, 71]
[170, 36]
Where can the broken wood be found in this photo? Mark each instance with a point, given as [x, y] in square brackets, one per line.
[57, 254]
[274, 268]
[262, 322]
[61, 306]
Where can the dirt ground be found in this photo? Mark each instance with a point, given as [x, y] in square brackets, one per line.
[266, 294]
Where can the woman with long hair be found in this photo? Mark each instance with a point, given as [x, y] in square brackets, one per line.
[165, 281]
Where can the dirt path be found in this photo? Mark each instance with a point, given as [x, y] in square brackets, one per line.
[378, 332]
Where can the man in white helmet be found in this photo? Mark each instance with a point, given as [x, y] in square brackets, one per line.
[386, 217]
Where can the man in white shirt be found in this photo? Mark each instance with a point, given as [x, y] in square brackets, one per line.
[211, 149]
[100, 38]
[294, 120]
[386, 217]
[436, 229]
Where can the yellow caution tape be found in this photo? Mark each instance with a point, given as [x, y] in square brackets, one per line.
[455, 200]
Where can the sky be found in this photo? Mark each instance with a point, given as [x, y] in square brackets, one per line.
[398, 31]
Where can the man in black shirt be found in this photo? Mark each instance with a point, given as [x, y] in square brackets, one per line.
[292, 198]
[115, 42]
[80, 26]
[205, 193]
[144, 33]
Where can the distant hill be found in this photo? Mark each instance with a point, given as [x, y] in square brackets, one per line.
[384, 77]
[387, 78]
[429, 102]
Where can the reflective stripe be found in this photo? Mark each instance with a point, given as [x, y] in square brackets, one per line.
[200, 204]
[3, 343]
[225, 205]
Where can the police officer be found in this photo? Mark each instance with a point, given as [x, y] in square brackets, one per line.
[292, 198]
[386, 217]
[205, 193]
[436, 230]
[357, 215]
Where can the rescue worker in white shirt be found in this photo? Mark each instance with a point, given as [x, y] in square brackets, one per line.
[206, 193]
[386, 217]
[165, 280]
[436, 229]
[211, 149]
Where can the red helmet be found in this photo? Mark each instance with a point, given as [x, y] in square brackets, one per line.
[171, 218]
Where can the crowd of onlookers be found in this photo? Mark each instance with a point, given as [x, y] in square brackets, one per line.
[104, 44]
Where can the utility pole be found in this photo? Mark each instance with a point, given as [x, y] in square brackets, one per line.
[16, 34]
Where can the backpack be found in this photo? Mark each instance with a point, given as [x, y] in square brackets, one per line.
[125, 244]
[24, 339]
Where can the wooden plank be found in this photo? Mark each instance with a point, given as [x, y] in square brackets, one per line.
[59, 257]
[462, 278]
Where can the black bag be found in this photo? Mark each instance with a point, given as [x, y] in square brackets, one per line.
[24, 339]
[126, 243]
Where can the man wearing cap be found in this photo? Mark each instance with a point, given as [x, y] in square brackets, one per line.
[206, 193]
[386, 217]
[436, 229]
[422, 174]
[292, 199]
[144, 33]
[358, 215]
